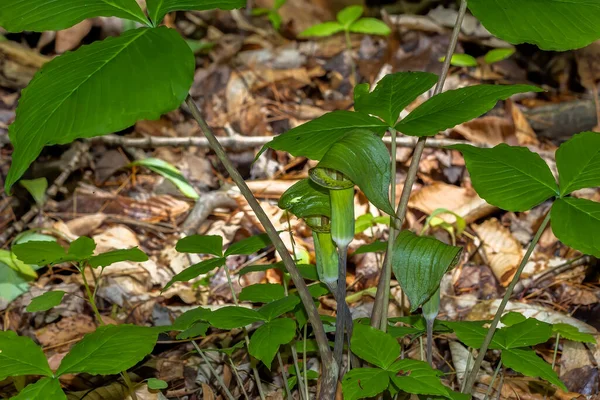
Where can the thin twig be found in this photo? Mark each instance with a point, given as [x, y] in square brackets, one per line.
[491, 385]
[411, 177]
[284, 376]
[330, 370]
[212, 370]
[238, 378]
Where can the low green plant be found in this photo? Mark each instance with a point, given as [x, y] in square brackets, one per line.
[271, 13]
[63, 103]
[489, 58]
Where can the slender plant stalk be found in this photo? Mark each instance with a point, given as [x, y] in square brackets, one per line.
[212, 370]
[384, 280]
[491, 385]
[298, 373]
[472, 377]
[238, 378]
[554, 356]
[130, 385]
[341, 320]
[499, 391]
[467, 366]
[90, 295]
[284, 376]
[305, 334]
[330, 370]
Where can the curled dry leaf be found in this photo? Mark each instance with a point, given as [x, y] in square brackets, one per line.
[70, 38]
[489, 130]
[502, 250]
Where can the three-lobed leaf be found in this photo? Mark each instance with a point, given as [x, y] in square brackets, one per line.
[65, 99]
[266, 340]
[44, 389]
[578, 162]
[393, 93]
[46, 301]
[109, 350]
[157, 9]
[510, 177]
[574, 22]
[39, 16]
[201, 244]
[453, 107]
[419, 263]
[575, 223]
[19, 355]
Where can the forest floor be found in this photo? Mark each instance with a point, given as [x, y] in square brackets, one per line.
[252, 83]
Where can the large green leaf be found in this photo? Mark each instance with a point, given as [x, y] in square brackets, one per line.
[20, 356]
[44, 389]
[53, 15]
[249, 245]
[305, 198]
[362, 383]
[266, 340]
[527, 333]
[448, 109]
[364, 159]
[578, 162]
[158, 8]
[512, 178]
[40, 252]
[571, 332]
[314, 138]
[278, 307]
[374, 346]
[190, 317]
[81, 248]
[46, 301]
[419, 263]
[99, 89]
[234, 317]
[193, 271]
[115, 256]
[201, 244]
[12, 283]
[393, 93]
[575, 222]
[262, 292]
[549, 24]
[109, 350]
[528, 363]
[416, 377]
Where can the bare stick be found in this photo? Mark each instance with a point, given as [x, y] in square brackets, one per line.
[330, 370]
[411, 177]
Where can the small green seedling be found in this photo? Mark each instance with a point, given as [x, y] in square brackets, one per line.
[271, 13]
[491, 57]
[37, 188]
[169, 172]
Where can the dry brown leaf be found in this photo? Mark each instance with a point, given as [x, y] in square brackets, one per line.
[70, 38]
[207, 393]
[523, 130]
[64, 333]
[490, 130]
[502, 250]
[85, 225]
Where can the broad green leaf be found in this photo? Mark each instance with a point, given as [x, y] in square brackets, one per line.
[157, 9]
[12, 284]
[526, 362]
[109, 350]
[169, 172]
[65, 100]
[573, 22]
[374, 247]
[472, 333]
[82, 248]
[393, 94]
[305, 199]
[317, 290]
[575, 222]
[44, 389]
[370, 26]
[46, 301]
[527, 333]
[578, 162]
[196, 270]
[40, 253]
[496, 55]
[571, 332]
[374, 346]
[197, 330]
[364, 159]
[462, 60]
[314, 138]
[201, 244]
[249, 245]
[419, 263]
[278, 307]
[306, 270]
[448, 109]
[416, 377]
[188, 318]
[349, 15]
[157, 384]
[512, 318]
[510, 177]
[361, 383]
[37, 188]
[234, 317]
[19, 355]
[39, 16]
[321, 30]
[266, 340]
[115, 256]
[11, 261]
[262, 293]
[275, 19]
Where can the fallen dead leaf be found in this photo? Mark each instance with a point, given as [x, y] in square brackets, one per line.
[70, 38]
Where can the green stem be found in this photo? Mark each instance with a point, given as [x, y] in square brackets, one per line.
[431, 309]
[384, 282]
[304, 367]
[340, 318]
[130, 385]
[298, 372]
[472, 377]
[330, 371]
[491, 385]
[212, 370]
[90, 294]
[238, 378]
[284, 376]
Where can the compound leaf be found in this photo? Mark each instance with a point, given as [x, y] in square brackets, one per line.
[574, 22]
[157, 9]
[19, 355]
[374, 346]
[510, 177]
[361, 383]
[44, 389]
[46, 301]
[575, 223]
[69, 98]
[39, 16]
[266, 340]
[578, 162]
[526, 362]
[419, 263]
[393, 94]
[201, 244]
[448, 109]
